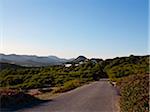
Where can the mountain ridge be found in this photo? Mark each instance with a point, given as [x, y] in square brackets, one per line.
[32, 60]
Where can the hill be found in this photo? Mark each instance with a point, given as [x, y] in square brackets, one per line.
[31, 60]
[78, 59]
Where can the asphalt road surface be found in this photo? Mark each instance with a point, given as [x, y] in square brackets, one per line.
[98, 96]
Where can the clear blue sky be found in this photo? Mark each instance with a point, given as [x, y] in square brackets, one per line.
[68, 28]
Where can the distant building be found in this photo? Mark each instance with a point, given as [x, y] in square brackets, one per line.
[81, 62]
[76, 64]
[68, 65]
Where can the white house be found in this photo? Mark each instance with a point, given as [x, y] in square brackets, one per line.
[68, 65]
[76, 64]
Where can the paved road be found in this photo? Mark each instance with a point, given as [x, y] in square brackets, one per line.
[98, 96]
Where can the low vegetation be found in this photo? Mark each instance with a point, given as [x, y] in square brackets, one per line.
[121, 67]
[28, 78]
[132, 77]
[69, 85]
[134, 93]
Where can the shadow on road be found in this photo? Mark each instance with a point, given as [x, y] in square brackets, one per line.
[20, 103]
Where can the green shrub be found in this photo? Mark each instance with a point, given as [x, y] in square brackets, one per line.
[69, 85]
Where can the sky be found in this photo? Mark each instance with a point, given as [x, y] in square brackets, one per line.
[69, 28]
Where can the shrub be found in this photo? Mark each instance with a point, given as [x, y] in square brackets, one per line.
[134, 93]
[69, 85]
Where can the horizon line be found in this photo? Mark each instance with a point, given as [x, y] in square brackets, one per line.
[100, 57]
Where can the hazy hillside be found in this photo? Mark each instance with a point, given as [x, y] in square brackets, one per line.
[31, 60]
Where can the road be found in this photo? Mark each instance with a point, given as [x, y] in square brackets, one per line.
[98, 96]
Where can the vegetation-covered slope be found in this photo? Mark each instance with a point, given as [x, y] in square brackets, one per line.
[132, 77]
[134, 91]
[125, 66]
[52, 76]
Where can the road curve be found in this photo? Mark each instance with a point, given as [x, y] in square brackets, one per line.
[98, 96]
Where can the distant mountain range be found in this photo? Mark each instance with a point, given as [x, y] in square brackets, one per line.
[38, 61]
[32, 60]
